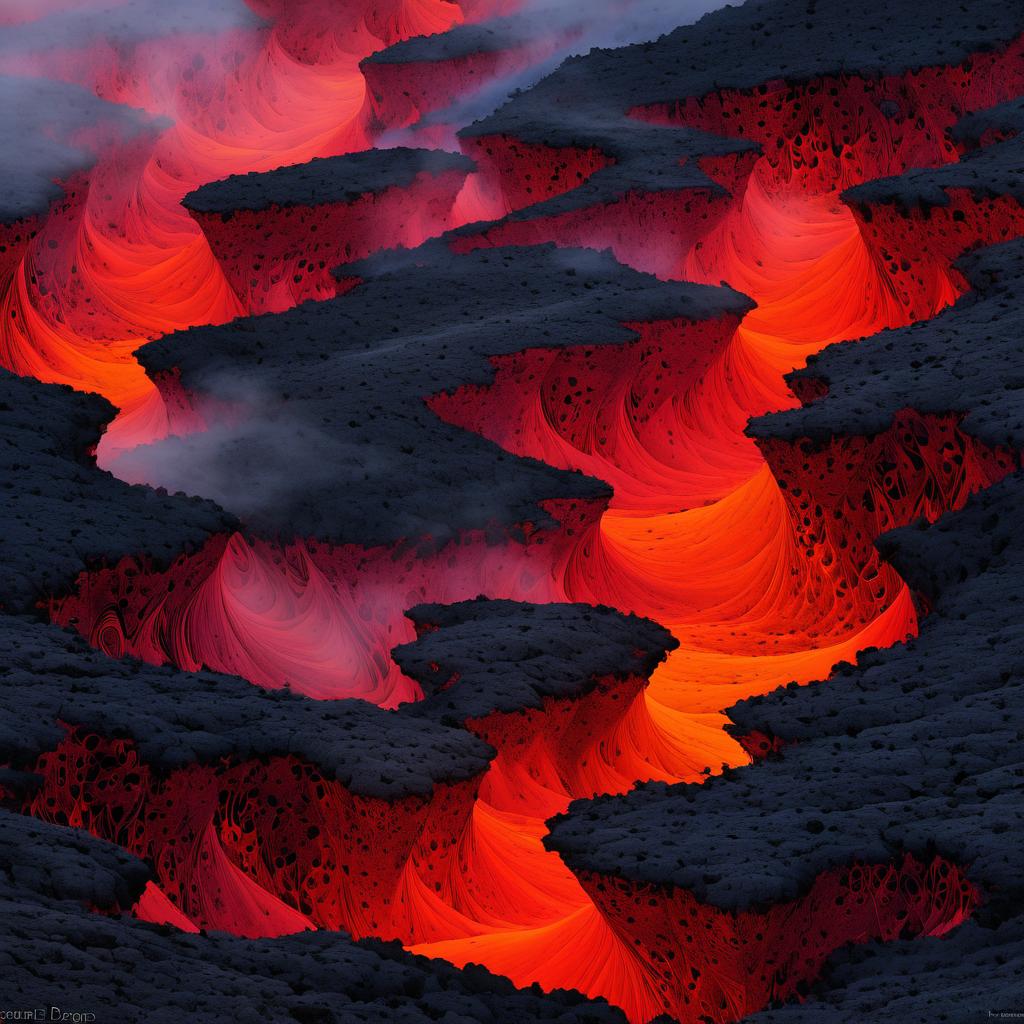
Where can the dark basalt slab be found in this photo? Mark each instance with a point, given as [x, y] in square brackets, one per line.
[506, 655]
[967, 359]
[984, 170]
[340, 385]
[906, 752]
[586, 103]
[340, 179]
[746, 46]
[924, 981]
[647, 159]
[492, 36]
[43, 125]
[60, 512]
[55, 952]
[177, 718]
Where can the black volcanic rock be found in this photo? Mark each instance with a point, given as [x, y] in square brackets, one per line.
[923, 981]
[905, 752]
[492, 36]
[646, 159]
[743, 47]
[338, 435]
[180, 718]
[55, 952]
[507, 655]
[587, 102]
[60, 512]
[967, 359]
[339, 179]
[44, 864]
[43, 129]
[985, 170]
[967, 660]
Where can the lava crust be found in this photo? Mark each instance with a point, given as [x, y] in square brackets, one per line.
[496, 442]
[417, 327]
[50, 875]
[279, 234]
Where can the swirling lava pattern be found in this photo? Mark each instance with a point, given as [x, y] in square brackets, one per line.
[757, 557]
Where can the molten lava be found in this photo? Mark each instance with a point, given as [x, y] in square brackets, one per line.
[757, 555]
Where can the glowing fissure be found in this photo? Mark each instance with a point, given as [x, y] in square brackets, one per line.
[757, 556]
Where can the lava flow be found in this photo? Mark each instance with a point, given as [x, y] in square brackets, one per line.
[756, 553]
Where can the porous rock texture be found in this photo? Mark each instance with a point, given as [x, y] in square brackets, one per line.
[56, 951]
[909, 753]
[60, 512]
[965, 360]
[344, 382]
[176, 719]
[340, 179]
[278, 235]
[602, 131]
[505, 656]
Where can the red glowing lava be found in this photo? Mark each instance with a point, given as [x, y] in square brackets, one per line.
[757, 556]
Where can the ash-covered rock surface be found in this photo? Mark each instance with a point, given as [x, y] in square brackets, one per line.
[910, 751]
[495, 35]
[508, 656]
[588, 102]
[504, 655]
[176, 719]
[338, 442]
[968, 359]
[54, 951]
[922, 981]
[60, 512]
[339, 179]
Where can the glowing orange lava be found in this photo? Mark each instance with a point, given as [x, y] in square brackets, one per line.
[701, 536]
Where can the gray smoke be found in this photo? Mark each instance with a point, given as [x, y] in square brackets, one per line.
[594, 25]
[48, 126]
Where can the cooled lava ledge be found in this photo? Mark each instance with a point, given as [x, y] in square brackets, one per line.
[279, 234]
[324, 181]
[179, 719]
[113, 966]
[348, 377]
[573, 154]
[966, 360]
[479, 658]
[928, 731]
[263, 813]
[904, 755]
[62, 514]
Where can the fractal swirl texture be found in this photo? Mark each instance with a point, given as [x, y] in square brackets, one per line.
[511, 511]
